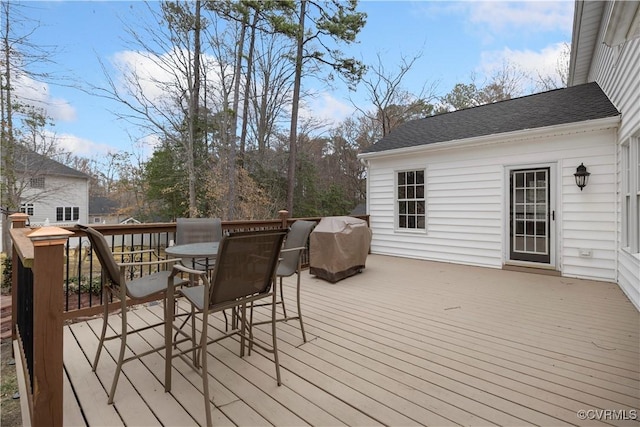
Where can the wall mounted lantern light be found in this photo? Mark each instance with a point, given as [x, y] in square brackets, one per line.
[582, 176]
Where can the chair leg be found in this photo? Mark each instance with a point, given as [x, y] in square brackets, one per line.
[304, 337]
[274, 338]
[250, 328]
[123, 345]
[284, 309]
[243, 328]
[105, 320]
[226, 321]
[196, 352]
[205, 373]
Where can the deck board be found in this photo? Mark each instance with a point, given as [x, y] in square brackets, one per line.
[406, 342]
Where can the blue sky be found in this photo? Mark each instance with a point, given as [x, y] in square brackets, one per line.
[457, 39]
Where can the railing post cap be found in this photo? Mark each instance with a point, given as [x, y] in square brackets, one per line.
[19, 216]
[49, 234]
[283, 212]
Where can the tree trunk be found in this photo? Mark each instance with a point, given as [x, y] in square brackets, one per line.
[247, 87]
[194, 113]
[293, 135]
[234, 123]
[7, 141]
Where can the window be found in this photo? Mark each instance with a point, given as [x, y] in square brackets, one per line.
[411, 200]
[67, 213]
[37, 182]
[631, 195]
[27, 208]
[97, 220]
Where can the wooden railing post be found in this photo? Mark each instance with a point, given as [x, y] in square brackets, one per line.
[18, 220]
[284, 216]
[48, 276]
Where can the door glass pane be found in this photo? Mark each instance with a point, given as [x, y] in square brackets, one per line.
[529, 244]
[529, 227]
[530, 180]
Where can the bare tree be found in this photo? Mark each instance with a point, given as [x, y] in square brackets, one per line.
[392, 104]
[164, 98]
[20, 119]
[561, 77]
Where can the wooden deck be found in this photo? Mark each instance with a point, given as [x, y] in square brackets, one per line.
[405, 342]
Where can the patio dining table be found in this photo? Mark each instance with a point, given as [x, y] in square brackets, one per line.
[207, 250]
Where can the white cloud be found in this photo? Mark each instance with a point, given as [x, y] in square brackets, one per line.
[534, 64]
[523, 16]
[156, 77]
[38, 94]
[490, 21]
[151, 76]
[326, 108]
[80, 146]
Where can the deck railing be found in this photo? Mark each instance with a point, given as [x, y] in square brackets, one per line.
[57, 279]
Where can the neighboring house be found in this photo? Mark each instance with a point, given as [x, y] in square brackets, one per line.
[51, 193]
[494, 185]
[103, 210]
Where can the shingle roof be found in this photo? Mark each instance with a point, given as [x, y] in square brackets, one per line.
[28, 161]
[99, 205]
[555, 107]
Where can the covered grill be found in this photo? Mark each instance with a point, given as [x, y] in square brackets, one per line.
[338, 247]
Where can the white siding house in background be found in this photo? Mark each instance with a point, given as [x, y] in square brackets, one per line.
[51, 193]
[494, 185]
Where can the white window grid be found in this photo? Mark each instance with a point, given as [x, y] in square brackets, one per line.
[411, 199]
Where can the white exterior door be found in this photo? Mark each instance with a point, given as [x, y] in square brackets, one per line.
[531, 215]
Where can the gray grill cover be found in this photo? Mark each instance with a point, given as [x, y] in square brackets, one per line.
[338, 247]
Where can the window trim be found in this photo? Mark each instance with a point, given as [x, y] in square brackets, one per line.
[630, 181]
[67, 213]
[39, 182]
[396, 200]
[27, 208]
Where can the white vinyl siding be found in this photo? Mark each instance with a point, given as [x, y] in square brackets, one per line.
[467, 206]
[61, 191]
[615, 69]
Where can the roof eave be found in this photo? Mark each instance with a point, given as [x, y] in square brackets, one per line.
[577, 21]
[525, 134]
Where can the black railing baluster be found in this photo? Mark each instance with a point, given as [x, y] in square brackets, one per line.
[24, 318]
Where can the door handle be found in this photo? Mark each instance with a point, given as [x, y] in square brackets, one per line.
[553, 215]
